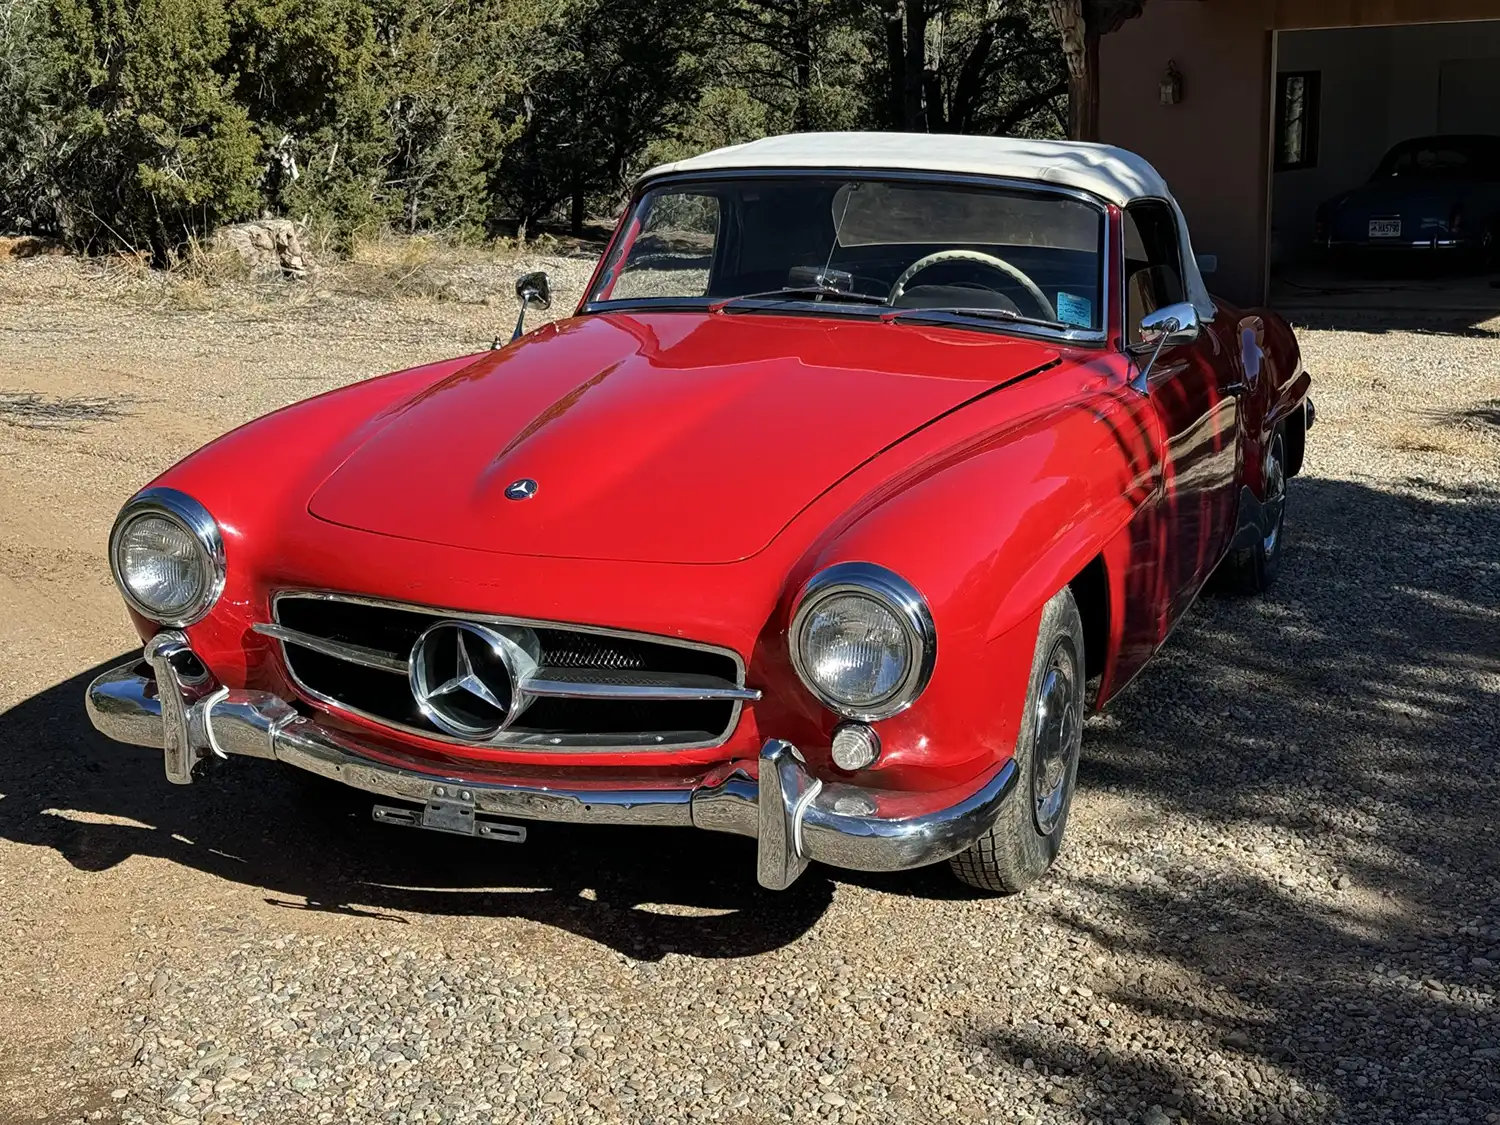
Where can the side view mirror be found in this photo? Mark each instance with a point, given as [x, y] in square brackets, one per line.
[1173, 325]
[533, 291]
[1165, 328]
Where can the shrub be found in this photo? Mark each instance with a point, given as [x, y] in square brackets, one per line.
[144, 124]
[152, 150]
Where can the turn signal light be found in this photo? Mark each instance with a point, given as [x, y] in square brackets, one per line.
[855, 746]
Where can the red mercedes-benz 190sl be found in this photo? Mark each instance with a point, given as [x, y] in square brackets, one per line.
[861, 460]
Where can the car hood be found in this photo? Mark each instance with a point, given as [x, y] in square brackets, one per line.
[668, 437]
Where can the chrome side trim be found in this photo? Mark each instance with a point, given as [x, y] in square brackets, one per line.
[354, 654]
[796, 817]
[627, 743]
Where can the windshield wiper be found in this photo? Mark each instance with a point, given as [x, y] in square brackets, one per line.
[803, 292]
[983, 314]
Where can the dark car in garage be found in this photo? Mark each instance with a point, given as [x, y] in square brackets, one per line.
[1429, 196]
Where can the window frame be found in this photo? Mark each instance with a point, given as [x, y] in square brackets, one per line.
[1128, 330]
[1312, 112]
[1109, 280]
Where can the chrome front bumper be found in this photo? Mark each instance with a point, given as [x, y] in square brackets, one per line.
[794, 816]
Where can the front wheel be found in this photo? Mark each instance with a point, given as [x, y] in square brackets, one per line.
[1025, 839]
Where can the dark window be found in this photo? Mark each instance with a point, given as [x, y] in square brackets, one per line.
[1299, 108]
[1153, 263]
[1436, 157]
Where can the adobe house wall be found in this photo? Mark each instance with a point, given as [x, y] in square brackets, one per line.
[1214, 147]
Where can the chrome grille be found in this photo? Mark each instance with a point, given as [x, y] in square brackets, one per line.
[582, 651]
[593, 688]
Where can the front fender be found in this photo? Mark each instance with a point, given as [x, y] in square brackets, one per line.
[251, 477]
[989, 534]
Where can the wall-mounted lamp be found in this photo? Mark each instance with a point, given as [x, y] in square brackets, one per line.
[1171, 85]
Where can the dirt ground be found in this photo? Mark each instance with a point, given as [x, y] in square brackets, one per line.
[1280, 899]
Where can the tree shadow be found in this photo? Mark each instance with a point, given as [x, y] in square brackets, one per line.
[1482, 414]
[1331, 751]
[35, 411]
[1390, 297]
[643, 892]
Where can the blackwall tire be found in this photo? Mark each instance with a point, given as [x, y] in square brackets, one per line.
[1254, 570]
[1026, 838]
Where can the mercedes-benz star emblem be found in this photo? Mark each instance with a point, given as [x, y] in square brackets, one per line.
[523, 489]
[462, 679]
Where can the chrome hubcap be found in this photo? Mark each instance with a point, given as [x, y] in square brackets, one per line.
[1059, 728]
[1275, 502]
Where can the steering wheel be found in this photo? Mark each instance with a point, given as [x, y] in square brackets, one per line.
[1033, 290]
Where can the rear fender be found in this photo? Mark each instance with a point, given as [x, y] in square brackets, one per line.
[1280, 386]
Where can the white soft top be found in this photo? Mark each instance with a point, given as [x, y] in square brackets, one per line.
[1112, 174]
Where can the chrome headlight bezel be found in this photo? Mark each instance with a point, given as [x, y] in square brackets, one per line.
[898, 597]
[181, 509]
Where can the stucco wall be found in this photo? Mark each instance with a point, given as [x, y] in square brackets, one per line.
[1381, 85]
[1212, 147]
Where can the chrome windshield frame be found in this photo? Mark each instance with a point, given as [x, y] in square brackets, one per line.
[1078, 337]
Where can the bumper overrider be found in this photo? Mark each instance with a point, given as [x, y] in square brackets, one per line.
[794, 816]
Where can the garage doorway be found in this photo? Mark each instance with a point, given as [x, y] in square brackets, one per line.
[1377, 205]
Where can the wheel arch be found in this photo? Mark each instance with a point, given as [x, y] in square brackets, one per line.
[1090, 588]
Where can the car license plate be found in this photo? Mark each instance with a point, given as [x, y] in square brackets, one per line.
[1385, 228]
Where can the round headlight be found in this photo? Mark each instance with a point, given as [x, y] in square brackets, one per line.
[862, 640]
[167, 556]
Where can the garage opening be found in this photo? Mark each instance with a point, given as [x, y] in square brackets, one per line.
[1386, 171]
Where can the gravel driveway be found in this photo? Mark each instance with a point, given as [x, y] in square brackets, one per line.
[1280, 900]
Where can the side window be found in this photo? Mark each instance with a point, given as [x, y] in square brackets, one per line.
[1299, 107]
[1153, 264]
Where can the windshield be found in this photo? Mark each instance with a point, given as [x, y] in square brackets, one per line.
[856, 247]
[1439, 157]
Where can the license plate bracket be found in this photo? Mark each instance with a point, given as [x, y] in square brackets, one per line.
[444, 814]
[451, 813]
[1385, 228]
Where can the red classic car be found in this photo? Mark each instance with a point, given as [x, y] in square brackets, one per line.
[863, 457]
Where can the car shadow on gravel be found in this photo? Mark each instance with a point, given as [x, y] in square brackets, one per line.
[1310, 863]
[312, 846]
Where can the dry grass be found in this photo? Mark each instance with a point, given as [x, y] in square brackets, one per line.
[1411, 439]
[385, 267]
[1451, 437]
[422, 267]
[463, 294]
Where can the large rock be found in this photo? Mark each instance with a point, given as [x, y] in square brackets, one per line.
[265, 246]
